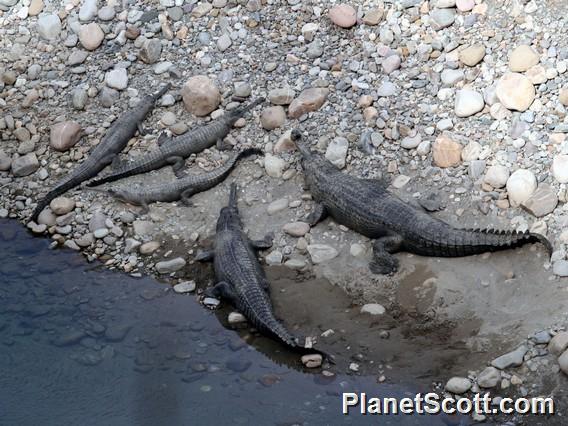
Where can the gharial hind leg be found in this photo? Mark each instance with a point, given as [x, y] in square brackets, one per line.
[383, 260]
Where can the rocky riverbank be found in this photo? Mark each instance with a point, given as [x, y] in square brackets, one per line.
[461, 103]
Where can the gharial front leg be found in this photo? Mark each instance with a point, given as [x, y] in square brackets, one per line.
[383, 260]
[263, 244]
[178, 164]
[317, 215]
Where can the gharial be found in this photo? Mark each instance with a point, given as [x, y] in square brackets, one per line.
[114, 141]
[240, 277]
[178, 189]
[369, 208]
[174, 151]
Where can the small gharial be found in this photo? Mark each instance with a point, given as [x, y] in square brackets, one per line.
[106, 152]
[178, 189]
[369, 208]
[174, 151]
[240, 277]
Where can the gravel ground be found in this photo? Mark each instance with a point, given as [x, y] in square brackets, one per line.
[461, 103]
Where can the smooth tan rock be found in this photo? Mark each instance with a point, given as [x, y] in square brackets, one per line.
[536, 74]
[285, 143]
[149, 247]
[200, 95]
[472, 55]
[343, 15]
[563, 96]
[309, 100]
[446, 152]
[520, 186]
[36, 6]
[559, 343]
[515, 92]
[522, 58]
[91, 36]
[64, 135]
[273, 117]
[62, 205]
[373, 16]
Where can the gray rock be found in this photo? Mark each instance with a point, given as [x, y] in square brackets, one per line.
[169, 266]
[442, 18]
[277, 205]
[468, 102]
[242, 89]
[97, 221]
[387, 89]
[315, 49]
[296, 229]
[489, 377]
[25, 165]
[107, 13]
[224, 42]
[151, 51]
[450, 77]
[321, 253]
[5, 161]
[117, 79]
[274, 258]
[411, 142]
[563, 362]
[458, 385]
[476, 169]
[79, 98]
[283, 96]
[541, 337]
[559, 343]
[542, 202]
[511, 359]
[391, 63]
[49, 26]
[336, 151]
[373, 309]
[77, 57]
[185, 287]
[88, 10]
[560, 268]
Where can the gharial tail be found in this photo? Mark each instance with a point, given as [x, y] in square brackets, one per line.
[54, 193]
[233, 196]
[162, 91]
[242, 110]
[152, 161]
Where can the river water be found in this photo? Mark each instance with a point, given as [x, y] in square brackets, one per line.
[82, 345]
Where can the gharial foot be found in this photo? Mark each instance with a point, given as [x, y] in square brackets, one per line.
[383, 260]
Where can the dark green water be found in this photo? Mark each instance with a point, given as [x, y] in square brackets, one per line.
[81, 345]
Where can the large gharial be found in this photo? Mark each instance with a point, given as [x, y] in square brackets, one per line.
[178, 189]
[369, 208]
[114, 141]
[240, 277]
[174, 151]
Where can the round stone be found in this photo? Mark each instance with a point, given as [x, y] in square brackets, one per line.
[515, 92]
[373, 309]
[458, 385]
[91, 36]
[446, 152]
[560, 168]
[200, 95]
[185, 287]
[497, 176]
[273, 117]
[49, 26]
[117, 79]
[343, 15]
[468, 102]
[472, 55]
[522, 58]
[62, 205]
[64, 135]
[520, 186]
